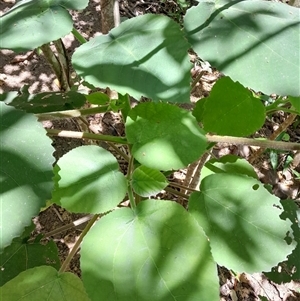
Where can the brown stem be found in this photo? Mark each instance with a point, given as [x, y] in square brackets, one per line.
[75, 248]
[253, 158]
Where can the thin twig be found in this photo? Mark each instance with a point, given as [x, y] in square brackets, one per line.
[85, 135]
[283, 126]
[75, 248]
[74, 224]
[254, 142]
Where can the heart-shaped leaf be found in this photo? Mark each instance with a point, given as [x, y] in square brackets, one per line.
[164, 136]
[144, 56]
[241, 219]
[155, 252]
[254, 42]
[147, 181]
[90, 180]
[32, 23]
[44, 283]
[25, 171]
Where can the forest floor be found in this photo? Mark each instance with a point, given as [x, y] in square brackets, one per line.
[30, 68]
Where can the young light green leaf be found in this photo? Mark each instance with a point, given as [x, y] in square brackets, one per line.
[228, 164]
[164, 136]
[44, 283]
[231, 109]
[25, 171]
[22, 255]
[98, 98]
[147, 181]
[144, 56]
[155, 252]
[90, 180]
[32, 23]
[254, 42]
[241, 220]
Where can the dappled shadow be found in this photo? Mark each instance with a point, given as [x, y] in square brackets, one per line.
[160, 70]
[240, 33]
[157, 252]
[87, 189]
[236, 228]
[167, 136]
[25, 68]
[25, 172]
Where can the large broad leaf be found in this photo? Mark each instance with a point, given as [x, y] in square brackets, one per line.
[290, 269]
[90, 180]
[25, 171]
[254, 42]
[231, 109]
[152, 253]
[32, 23]
[144, 56]
[241, 219]
[43, 102]
[22, 255]
[164, 136]
[44, 283]
[147, 181]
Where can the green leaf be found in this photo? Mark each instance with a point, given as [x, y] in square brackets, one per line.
[231, 109]
[25, 171]
[254, 42]
[43, 102]
[147, 182]
[144, 56]
[241, 219]
[90, 180]
[228, 164]
[44, 283]
[22, 255]
[199, 109]
[32, 23]
[290, 269]
[98, 98]
[295, 101]
[155, 252]
[164, 136]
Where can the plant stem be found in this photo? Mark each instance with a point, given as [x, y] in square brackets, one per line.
[129, 189]
[182, 187]
[64, 63]
[254, 142]
[74, 224]
[66, 263]
[196, 80]
[178, 193]
[85, 135]
[71, 113]
[283, 126]
[54, 62]
[121, 153]
[78, 36]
